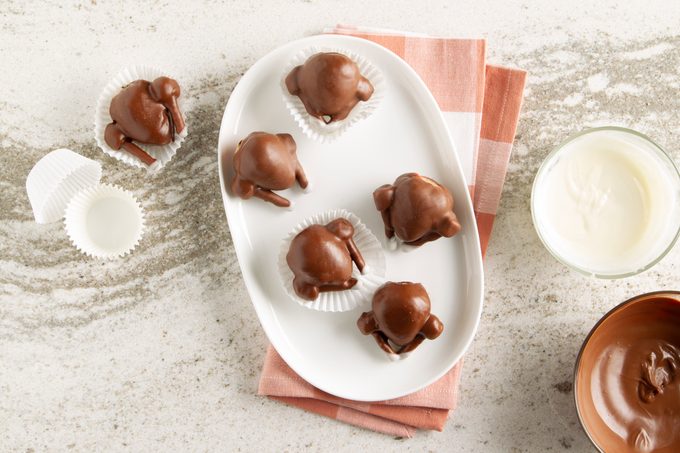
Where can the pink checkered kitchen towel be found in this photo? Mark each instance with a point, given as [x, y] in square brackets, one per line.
[481, 105]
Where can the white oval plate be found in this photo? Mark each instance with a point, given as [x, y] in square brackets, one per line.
[406, 133]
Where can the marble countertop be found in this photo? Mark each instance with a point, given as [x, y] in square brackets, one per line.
[162, 350]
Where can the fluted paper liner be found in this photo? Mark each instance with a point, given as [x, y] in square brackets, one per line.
[55, 179]
[104, 221]
[315, 128]
[371, 279]
[163, 154]
[394, 244]
[396, 357]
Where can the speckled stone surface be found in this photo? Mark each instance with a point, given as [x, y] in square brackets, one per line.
[161, 351]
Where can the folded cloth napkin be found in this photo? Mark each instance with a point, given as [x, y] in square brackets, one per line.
[481, 106]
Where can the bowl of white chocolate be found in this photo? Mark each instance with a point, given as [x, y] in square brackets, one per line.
[606, 202]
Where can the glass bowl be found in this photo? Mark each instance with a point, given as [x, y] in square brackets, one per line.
[603, 424]
[662, 162]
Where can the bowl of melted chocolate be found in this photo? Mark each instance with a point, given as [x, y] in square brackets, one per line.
[627, 377]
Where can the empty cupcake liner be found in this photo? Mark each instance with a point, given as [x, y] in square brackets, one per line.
[55, 179]
[163, 154]
[104, 221]
[372, 277]
[315, 128]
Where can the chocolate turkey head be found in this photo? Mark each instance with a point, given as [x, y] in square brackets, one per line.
[401, 314]
[329, 85]
[266, 162]
[146, 112]
[321, 257]
[417, 209]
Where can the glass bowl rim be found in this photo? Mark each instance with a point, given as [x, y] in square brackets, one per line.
[671, 294]
[550, 157]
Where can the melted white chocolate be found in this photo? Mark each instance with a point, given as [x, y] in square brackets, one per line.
[603, 204]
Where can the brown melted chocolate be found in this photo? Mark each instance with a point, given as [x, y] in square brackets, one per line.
[628, 377]
[417, 209]
[321, 258]
[400, 315]
[329, 85]
[146, 112]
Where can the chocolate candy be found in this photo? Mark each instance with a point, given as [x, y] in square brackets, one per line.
[321, 257]
[146, 112]
[627, 381]
[265, 162]
[329, 85]
[401, 314]
[417, 209]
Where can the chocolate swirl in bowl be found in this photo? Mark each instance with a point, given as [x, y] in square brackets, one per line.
[627, 383]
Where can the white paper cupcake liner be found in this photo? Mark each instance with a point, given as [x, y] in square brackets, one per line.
[163, 154]
[394, 244]
[372, 277]
[55, 179]
[104, 221]
[396, 357]
[315, 128]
